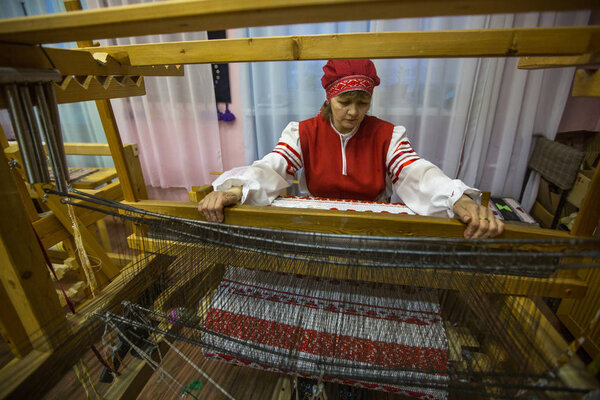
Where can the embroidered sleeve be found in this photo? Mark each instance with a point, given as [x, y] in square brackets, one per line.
[263, 181]
[422, 186]
[400, 153]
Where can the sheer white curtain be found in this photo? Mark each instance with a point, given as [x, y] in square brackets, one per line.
[175, 123]
[473, 117]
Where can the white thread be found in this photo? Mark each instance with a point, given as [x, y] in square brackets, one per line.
[155, 366]
[204, 374]
[83, 257]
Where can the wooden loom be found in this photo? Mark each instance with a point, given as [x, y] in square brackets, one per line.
[31, 308]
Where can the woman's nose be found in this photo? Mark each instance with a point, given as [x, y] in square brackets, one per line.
[353, 109]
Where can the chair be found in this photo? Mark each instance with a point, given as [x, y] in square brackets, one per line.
[558, 164]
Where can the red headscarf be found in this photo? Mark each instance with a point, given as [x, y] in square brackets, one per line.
[345, 75]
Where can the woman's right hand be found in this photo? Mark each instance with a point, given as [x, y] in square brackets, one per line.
[213, 204]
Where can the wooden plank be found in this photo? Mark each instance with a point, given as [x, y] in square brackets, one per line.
[198, 15]
[544, 337]
[430, 278]
[51, 231]
[32, 376]
[331, 221]
[3, 141]
[91, 244]
[14, 374]
[23, 270]
[20, 184]
[134, 377]
[576, 314]
[77, 62]
[71, 89]
[588, 217]
[132, 159]
[95, 179]
[589, 59]
[11, 328]
[514, 42]
[586, 83]
[113, 137]
[73, 148]
[199, 192]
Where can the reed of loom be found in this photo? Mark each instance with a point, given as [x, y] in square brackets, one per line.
[42, 340]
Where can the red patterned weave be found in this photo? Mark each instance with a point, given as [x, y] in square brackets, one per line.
[329, 328]
[349, 83]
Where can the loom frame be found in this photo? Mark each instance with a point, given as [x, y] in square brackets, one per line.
[26, 288]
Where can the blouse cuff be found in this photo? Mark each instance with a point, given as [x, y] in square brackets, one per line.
[232, 178]
[458, 188]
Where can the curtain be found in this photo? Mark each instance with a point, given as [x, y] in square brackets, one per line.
[473, 117]
[175, 123]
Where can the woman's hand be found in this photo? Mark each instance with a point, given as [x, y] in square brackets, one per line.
[480, 220]
[212, 205]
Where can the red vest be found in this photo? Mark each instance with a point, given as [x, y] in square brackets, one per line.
[365, 152]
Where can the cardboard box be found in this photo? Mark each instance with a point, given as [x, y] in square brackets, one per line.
[549, 198]
[580, 188]
[543, 216]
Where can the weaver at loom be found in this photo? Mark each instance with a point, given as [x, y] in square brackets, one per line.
[349, 155]
[387, 313]
[346, 155]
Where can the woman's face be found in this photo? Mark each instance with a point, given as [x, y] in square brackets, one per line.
[347, 112]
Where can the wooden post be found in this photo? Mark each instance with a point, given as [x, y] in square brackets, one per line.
[23, 273]
[577, 314]
[588, 216]
[20, 184]
[89, 240]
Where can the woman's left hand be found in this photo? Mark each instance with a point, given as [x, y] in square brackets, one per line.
[481, 223]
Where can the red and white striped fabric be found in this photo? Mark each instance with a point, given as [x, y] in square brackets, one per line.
[291, 156]
[402, 156]
[321, 203]
[349, 332]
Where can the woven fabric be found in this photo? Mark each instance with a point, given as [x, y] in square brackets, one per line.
[556, 162]
[321, 203]
[330, 329]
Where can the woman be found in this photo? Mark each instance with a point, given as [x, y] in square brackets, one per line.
[349, 155]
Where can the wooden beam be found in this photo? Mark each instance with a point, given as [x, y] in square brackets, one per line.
[429, 278]
[11, 328]
[514, 42]
[132, 159]
[77, 62]
[589, 59]
[108, 270]
[23, 270]
[543, 336]
[586, 83]
[199, 192]
[73, 88]
[113, 137]
[77, 149]
[32, 376]
[51, 231]
[198, 15]
[331, 221]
